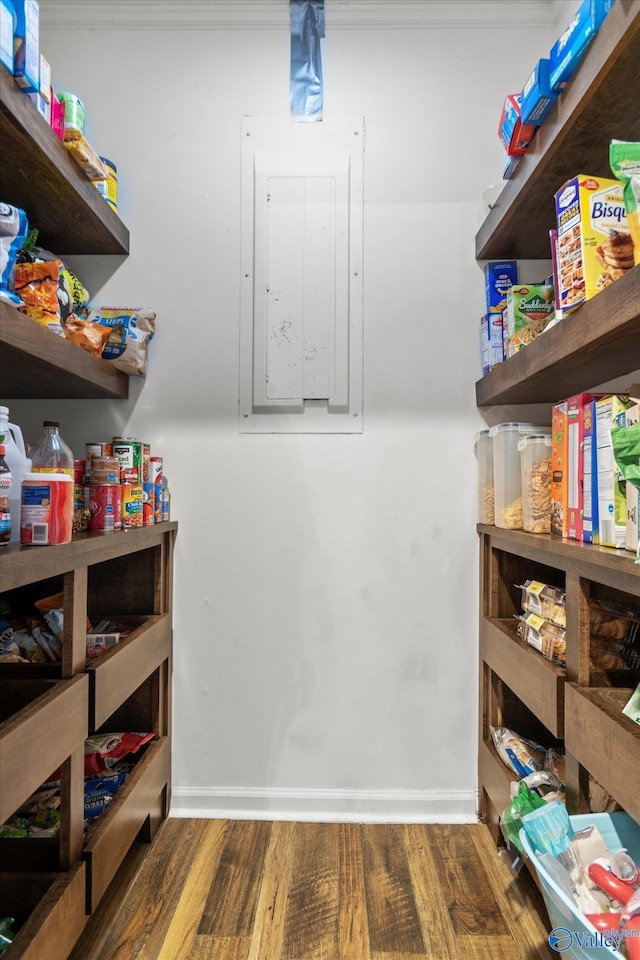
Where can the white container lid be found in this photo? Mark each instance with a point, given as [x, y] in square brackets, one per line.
[517, 427]
[47, 477]
[534, 438]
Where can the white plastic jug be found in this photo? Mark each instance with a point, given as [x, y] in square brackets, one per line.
[19, 464]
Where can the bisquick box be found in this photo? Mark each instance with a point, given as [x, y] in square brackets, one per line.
[571, 45]
[499, 276]
[537, 97]
[515, 135]
[26, 45]
[594, 246]
[491, 341]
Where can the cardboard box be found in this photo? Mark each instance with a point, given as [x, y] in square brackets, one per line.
[571, 45]
[612, 494]
[491, 341]
[515, 135]
[594, 245]
[559, 472]
[529, 309]
[509, 165]
[590, 480]
[6, 34]
[26, 45]
[632, 416]
[576, 463]
[499, 276]
[57, 116]
[537, 97]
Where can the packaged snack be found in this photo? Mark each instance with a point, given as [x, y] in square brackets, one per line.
[632, 708]
[131, 329]
[14, 227]
[594, 245]
[546, 637]
[624, 159]
[547, 601]
[100, 790]
[102, 751]
[529, 309]
[86, 158]
[90, 336]
[37, 283]
[519, 754]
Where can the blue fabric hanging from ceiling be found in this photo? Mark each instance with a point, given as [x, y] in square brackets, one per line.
[307, 29]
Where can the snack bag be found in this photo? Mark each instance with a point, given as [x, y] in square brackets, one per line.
[131, 329]
[624, 159]
[38, 286]
[102, 751]
[14, 227]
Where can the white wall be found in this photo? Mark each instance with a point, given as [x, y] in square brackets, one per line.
[326, 586]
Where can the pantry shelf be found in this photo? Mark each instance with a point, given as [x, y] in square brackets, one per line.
[596, 343]
[40, 177]
[600, 103]
[35, 364]
[49, 909]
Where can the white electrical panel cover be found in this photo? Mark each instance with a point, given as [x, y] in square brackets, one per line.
[301, 294]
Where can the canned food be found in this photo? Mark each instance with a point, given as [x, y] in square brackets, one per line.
[79, 469]
[78, 496]
[148, 504]
[155, 469]
[109, 187]
[131, 505]
[104, 470]
[157, 503]
[74, 115]
[125, 451]
[105, 506]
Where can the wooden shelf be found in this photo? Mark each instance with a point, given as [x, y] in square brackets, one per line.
[600, 103]
[49, 911]
[39, 176]
[37, 364]
[605, 741]
[596, 343]
[537, 682]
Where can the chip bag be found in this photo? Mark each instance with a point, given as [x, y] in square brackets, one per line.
[131, 329]
[13, 232]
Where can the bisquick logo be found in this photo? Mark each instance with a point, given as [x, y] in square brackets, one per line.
[607, 211]
[567, 196]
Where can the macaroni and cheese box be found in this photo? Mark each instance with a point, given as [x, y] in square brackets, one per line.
[537, 97]
[515, 135]
[612, 494]
[499, 276]
[571, 45]
[529, 309]
[594, 245]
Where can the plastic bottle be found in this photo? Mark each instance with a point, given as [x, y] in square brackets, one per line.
[19, 464]
[5, 490]
[51, 454]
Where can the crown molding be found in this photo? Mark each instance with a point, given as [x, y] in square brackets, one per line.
[274, 14]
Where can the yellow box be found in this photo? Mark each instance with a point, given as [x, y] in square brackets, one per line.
[594, 244]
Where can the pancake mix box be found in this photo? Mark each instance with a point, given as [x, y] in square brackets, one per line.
[594, 245]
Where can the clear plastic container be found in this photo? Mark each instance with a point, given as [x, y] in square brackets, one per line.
[507, 476]
[51, 454]
[535, 470]
[483, 449]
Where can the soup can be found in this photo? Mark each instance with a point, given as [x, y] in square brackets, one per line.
[156, 466]
[148, 504]
[125, 451]
[104, 470]
[131, 505]
[105, 507]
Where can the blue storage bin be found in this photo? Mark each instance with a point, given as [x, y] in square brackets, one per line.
[617, 830]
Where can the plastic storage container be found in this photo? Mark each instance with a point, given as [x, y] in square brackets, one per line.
[535, 471]
[51, 454]
[19, 464]
[483, 449]
[568, 924]
[507, 477]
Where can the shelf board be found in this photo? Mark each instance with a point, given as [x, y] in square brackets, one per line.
[596, 343]
[610, 750]
[36, 364]
[605, 565]
[39, 176]
[599, 104]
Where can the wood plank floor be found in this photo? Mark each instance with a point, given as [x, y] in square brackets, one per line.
[257, 890]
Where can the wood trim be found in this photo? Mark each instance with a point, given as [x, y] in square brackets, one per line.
[56, 921]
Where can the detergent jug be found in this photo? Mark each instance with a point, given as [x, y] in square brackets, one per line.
[19, 464]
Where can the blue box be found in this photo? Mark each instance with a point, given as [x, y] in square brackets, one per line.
[515, 135]
[26, 45]
[577, 938]
[569, 48]
[491, 341]
[537, 97]
[499, 276]
[509, 165]
[6, 34]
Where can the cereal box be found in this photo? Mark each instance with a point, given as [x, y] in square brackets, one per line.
[529, 309]
[632, 416]
[559, 472]
[612, 494]
[594, 244]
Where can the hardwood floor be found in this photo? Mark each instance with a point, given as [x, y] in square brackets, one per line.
[257, 890]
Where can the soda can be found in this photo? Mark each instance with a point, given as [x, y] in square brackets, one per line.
[131, 505]
[148, 504]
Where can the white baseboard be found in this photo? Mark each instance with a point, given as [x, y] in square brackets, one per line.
[330, 806]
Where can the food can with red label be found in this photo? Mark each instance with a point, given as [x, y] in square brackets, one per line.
[148, 504]
[156, 466]
[104, 505]
[145, 459]
[157, 503]
[79, 469]
[104, 470]
[125, 451]
[131, 505]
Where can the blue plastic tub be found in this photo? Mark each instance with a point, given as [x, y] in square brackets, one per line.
[571, 933]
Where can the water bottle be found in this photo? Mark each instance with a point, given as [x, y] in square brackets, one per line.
[5, 490]
[19, 465]
[51, 454]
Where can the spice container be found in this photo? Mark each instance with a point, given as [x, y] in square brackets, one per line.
[507, 477]
[483, 449]
[535, 470]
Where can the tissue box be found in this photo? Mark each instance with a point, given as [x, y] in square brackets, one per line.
[570, 47]
[537, 97]
[515, 135]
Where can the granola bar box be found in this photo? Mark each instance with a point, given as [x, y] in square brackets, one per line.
[594, 244]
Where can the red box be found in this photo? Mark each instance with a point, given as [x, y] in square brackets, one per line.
[515, 135]
[57, 116]
[559, 472]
